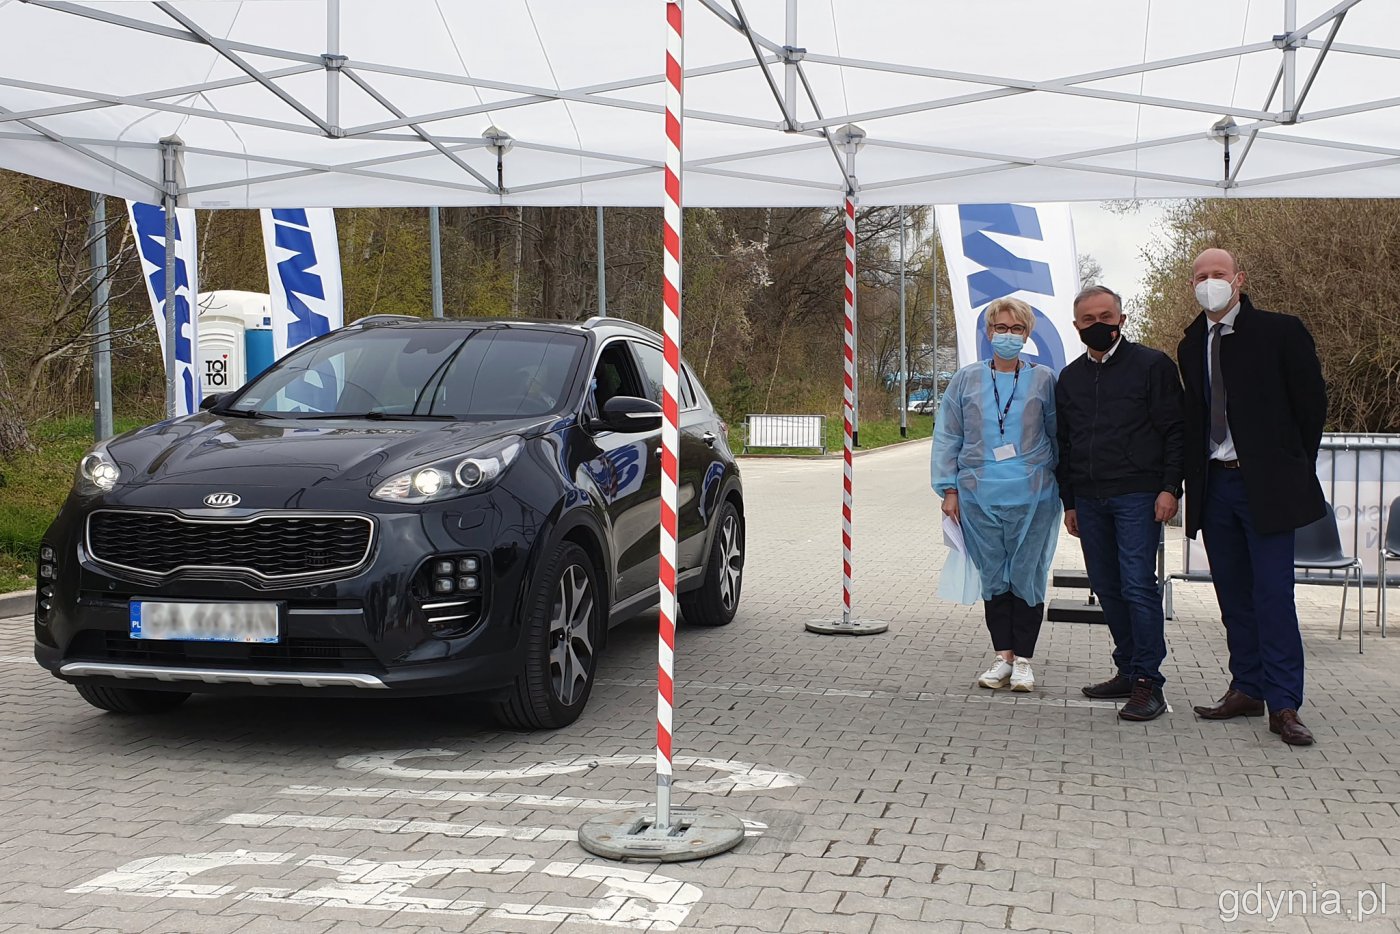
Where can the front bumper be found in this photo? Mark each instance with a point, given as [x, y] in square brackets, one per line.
[372, 632]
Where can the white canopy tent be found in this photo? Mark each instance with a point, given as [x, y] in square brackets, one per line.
[345, 103]
[348, 103]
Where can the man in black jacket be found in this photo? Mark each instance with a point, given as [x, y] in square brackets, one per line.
[1120, 432]
[1255, 409]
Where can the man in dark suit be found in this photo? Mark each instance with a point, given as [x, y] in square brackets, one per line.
[1255, 408]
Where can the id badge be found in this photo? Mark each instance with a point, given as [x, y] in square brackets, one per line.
[1004, 452]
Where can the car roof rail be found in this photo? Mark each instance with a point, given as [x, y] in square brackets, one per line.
[610, 321]
[370, 321]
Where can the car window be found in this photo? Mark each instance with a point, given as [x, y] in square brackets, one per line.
[653, 365]
[688, 400]
[479, 373]
[508, 374]
[614, 375]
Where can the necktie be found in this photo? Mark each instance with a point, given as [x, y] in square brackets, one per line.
[1218, 426]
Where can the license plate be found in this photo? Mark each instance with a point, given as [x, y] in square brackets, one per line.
[205, 622]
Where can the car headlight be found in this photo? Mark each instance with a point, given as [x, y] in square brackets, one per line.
[97, 471]
[454, 476]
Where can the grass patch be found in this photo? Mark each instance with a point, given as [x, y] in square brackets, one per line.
[35, 484]
[874, 433]
[15, 575]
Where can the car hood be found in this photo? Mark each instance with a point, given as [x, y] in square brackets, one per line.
[226, 452]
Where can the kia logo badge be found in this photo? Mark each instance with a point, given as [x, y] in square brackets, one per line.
[221, 500]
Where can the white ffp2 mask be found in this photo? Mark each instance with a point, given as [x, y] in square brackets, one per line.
[1214, 294]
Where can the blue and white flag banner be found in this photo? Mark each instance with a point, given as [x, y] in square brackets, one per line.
[1026, 251]
[303, 275]
[148, 227]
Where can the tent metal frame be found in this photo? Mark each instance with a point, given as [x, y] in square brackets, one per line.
[785, 67]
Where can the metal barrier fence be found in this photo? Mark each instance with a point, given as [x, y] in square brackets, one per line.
[785, 431]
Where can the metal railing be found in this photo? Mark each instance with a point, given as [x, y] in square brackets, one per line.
[785, 431]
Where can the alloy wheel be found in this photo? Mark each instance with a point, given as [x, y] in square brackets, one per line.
[732, 554]
[571, 635]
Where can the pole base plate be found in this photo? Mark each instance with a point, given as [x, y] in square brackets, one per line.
[845, 627]
[693, 834]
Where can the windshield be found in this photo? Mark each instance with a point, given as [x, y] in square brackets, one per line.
[481, 374]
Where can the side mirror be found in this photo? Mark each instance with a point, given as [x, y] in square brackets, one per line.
[209, 401]
[631, 415]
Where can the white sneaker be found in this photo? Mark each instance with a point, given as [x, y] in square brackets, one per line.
[1022, 679]
[996, 676]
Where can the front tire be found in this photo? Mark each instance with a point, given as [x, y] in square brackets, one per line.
[131, 700]
[563, 635]
[716, 600]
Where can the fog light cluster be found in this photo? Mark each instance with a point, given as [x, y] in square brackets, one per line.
[456, 575]
[48, 575]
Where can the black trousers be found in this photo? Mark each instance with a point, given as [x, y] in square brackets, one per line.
[1014, 624]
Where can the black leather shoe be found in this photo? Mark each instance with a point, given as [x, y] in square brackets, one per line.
[1233, 704]
[1146, 703]
[1286, 724]
[1117, 686]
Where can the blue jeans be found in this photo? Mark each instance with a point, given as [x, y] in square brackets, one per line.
[1253, 577]
[1119, 536]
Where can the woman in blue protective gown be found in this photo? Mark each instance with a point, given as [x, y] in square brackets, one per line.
[994, 455]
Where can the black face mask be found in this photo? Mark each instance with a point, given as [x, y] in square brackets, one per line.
[1099, 336]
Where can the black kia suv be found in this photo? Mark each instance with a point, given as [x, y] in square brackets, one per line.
[401, 506]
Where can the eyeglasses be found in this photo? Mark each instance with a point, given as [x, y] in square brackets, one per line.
[1019, 329]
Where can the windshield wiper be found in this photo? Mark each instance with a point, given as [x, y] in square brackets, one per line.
[373, 416]
[245, 413]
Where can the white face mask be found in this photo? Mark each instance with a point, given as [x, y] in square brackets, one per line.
[1214, 295]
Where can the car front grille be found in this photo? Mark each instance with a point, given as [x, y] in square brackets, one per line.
[273, 547]
[288, 655]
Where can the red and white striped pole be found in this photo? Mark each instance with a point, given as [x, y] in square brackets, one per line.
[848, 408]
[851, 137]
[670, 392]
[688, 833]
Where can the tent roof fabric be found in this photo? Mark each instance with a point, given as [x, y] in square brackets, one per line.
[349, 103]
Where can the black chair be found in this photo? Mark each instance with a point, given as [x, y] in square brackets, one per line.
[1318, 547]
[1390, 551]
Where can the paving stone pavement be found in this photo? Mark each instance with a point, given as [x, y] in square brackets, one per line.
[885, 792]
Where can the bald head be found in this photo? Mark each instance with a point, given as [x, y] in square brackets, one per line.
[1214, 259]
[1220, 265]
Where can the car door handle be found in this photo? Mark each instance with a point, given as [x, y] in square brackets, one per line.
[709, 438]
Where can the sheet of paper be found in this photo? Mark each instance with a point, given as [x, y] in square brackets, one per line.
[952, 535]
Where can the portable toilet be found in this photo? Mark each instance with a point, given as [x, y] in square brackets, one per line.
[222, 358]
[238, 345]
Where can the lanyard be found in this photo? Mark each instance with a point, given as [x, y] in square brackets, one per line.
[1002, 413]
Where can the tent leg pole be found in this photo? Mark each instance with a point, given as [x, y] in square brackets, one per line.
[435, 235]
[168, 305]
[847, 625]
[668, 834]
[903, 353]
[934, 249]
[102, 348]
[602, 268]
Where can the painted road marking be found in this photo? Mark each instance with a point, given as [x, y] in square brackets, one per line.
[738, 776]
[629, 898]
[752, 828]
[415, 826]
[461, 797]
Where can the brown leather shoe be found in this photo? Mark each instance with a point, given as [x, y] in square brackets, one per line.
[1233, 704]
[1286, 724]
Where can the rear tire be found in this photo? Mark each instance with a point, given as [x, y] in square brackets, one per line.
[131, 700]
[716, 600]
[563, 635]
